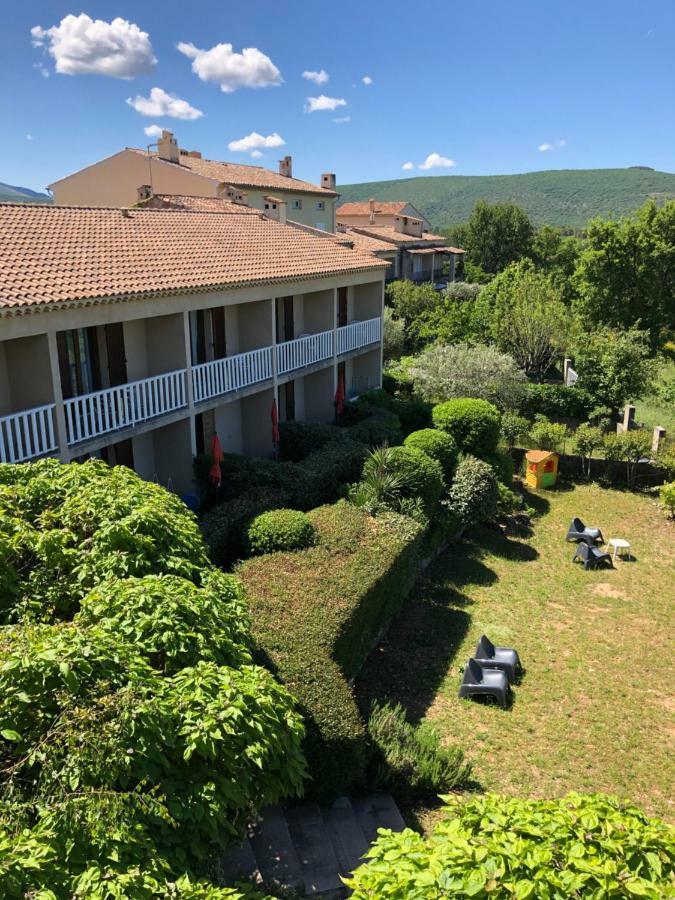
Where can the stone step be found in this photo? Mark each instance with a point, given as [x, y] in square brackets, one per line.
[274, 851]
[346, 835]
[377, 811]
[314, 849]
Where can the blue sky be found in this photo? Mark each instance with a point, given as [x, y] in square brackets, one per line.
[483, 84]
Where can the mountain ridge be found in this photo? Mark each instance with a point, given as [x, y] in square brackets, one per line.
[12, 193]
[567, 198]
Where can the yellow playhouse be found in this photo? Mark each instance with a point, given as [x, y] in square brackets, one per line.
[541, 468]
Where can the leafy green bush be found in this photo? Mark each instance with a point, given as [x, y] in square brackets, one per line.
[509, 502]
[515, 430]
[503, 465]
[557, 401]
[438, 445]
[327, 472]
[299, 439]
[378, 428]
[172, 622]
[587, 439]
[667, 498]
[412, 412]
[64, 528]
[280, 529]
[316, 614]
[474, 424]
[402, 479]
[410, 760]
[629, 447]
[506, 848]
[224, 528]
[473, 495]
[546, 435]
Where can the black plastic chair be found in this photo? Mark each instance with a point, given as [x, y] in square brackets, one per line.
[591, 556]
[579, 532]
[484, 682]
[491, 657]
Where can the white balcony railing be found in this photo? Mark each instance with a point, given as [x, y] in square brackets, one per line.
[358, 334]
[304, 351]
[90, 415]
[27, 435]
[231, 373]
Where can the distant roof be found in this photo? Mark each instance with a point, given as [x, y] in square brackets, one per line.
[383, 207]
[388, 233]
[241, 175]
[196, 204]
[60, 254]
[364, 242]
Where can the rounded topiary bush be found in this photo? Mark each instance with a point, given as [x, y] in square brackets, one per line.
[421, 477]
[474, 494]
[280, 529]
[438, 445]
[474, 424]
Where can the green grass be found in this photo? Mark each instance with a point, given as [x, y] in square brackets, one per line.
[564, 197]
[595, 709]
[653, 410]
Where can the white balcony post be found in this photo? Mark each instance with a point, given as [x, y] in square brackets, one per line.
[57, 393]
[275, 351]
[381, 336]
[189, 391]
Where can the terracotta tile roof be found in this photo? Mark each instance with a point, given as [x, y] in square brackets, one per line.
[366, 243]
[60, 254]
[537, 456]
[241, 175]
[388, 233]
[196, 204]
[383, 207]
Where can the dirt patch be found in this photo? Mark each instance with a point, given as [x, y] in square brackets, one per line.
[605, 589]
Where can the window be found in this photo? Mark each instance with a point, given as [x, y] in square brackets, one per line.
[78, 361]
[320, 205]
[296, 204]
[320, 225]
[270, 206]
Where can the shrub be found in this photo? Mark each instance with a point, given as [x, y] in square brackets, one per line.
[410, 760]
[172, 622]
[546, 435]
[474, 494]
[629, 447]
[503, 847]
[515, 430]
[412, 412]
[224, 528]
[402, 479]
[667, 498]
[280, 529]
[503, 466]
[587, 440]
[381, 427]
[438, 445]
[299, 439]
[316, 615]
[444, 372]
[509, 502]
[393, 336]
[557, 401]
[666, 459]
[64, 528]
[474, 424]
[327, 472]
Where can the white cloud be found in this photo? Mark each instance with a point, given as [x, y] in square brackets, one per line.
[256, 142]
[544, 148]
[317, 104]
[317, 77]
[367, 79]
[256, 154]
[407, 166]
[230, 70]
[159, 103]
[84, 46]
[153, 130]
[342, 120]
[43, 70]
[29, 137]
[436, 161]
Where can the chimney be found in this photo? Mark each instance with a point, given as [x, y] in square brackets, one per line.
[371, 207]
[167, 148]
[286, 166]
[144, 192]
[328, 181]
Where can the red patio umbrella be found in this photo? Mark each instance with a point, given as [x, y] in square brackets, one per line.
[275, 423]
[217, 456]
[340, 396]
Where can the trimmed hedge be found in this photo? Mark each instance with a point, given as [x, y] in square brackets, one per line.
[438, 445]
[224, 528]
[316, 615]
[280, 529]
[378, 428]
[326, 472]
[474, 424]
[412, 412]
[557, 400]
[299, 439]
[503, 465]
[474, 494]
[421, 476]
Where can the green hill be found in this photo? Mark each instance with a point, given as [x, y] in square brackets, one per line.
[10, 193]
[564, 197]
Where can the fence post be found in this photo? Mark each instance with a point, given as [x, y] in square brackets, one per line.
[659, 435]
[628, 417]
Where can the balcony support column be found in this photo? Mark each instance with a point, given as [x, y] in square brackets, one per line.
[57, 395]
[382, 334]
[189, 391]
[275, 357]
[335, 335]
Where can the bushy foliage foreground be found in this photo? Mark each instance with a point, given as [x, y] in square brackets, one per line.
[134, 726]
[589, 847]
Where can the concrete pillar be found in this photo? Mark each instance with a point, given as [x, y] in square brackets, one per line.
[188, 382]
[567, 362]
[659, 435]
[628, 417]
[59, 411]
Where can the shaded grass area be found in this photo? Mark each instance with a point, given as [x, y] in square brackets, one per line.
[596, 709]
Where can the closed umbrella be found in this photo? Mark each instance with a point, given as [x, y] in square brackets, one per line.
[275, 423]
[217, 457]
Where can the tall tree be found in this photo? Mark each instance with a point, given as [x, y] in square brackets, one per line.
[626, 274]
[497, 235]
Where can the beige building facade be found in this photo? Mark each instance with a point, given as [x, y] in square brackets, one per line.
[144, 377]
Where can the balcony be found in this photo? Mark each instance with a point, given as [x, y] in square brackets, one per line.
[30, 434]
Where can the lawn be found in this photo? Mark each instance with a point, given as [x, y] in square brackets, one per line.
[596, 709]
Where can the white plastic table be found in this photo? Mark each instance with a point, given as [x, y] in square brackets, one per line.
[620, 547]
